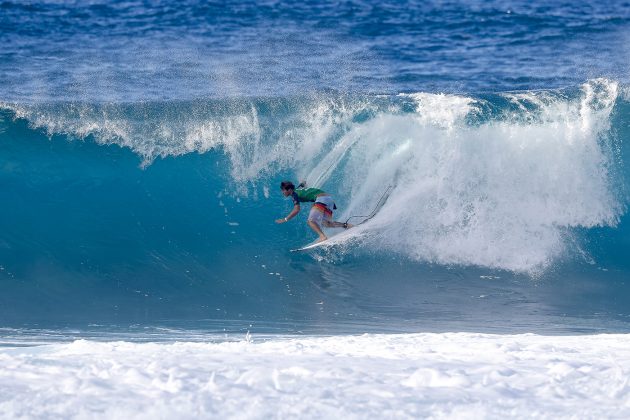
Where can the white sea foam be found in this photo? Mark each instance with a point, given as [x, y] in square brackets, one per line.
[451, 375]
[499, 194]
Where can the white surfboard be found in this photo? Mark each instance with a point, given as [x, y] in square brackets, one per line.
[308, 247]
[334, 239]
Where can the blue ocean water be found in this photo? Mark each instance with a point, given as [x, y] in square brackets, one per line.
[142, 146]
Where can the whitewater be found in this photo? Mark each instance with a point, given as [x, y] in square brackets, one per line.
[142, 146]
[451, 375]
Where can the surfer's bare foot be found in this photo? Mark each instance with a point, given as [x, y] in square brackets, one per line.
[321, 239]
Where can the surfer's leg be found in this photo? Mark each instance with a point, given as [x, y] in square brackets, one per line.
[317, 230]
[335, 224]
[315, 219]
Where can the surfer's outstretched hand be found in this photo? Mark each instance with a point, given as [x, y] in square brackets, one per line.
[280, 221]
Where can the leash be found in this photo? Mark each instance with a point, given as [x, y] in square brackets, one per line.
[380, 202]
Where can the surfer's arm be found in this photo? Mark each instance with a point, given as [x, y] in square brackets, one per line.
[296, 210]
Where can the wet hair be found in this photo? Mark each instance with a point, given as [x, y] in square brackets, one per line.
[287, 185]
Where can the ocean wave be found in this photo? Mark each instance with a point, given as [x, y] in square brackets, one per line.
[494, 181]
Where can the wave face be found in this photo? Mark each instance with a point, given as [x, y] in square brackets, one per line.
[164, 210]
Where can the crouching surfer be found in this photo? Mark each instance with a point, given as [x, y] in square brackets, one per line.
[321, 211]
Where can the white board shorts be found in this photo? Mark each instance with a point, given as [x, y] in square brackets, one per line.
[318, 216]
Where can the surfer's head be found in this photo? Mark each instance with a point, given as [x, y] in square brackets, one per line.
[287, 188]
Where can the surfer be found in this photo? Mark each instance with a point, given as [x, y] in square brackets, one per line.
[321, 212]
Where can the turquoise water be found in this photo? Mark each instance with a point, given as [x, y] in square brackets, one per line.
[142, 147]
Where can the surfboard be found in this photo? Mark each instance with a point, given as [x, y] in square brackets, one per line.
[330, 241]
[308, 247]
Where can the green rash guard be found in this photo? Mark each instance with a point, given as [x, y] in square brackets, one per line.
[302, 195]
